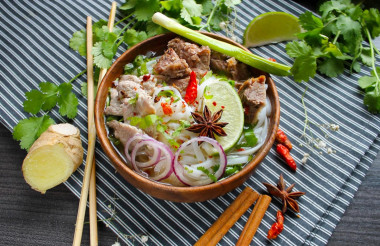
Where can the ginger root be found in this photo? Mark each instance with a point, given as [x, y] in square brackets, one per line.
[53, 157]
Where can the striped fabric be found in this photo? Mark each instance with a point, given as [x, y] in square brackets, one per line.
[34, 48]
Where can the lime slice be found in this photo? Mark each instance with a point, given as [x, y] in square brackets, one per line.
[271, 27]
[221, 95]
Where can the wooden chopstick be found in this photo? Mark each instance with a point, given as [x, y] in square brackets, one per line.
[92, 194]
[254, 220]
[91, 139]
[228, 218]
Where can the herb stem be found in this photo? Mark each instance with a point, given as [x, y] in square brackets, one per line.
[77, 76]
[123, 19]
[336, 37]
[373, 60]
[377, 51]
[211, 16]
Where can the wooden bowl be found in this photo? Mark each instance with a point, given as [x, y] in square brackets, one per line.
[167, 192]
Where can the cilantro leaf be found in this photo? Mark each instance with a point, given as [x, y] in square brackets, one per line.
[231, 3]
[78, 42]
[132, 37]
[371, 20]
[142, 9]
[372, 100]
[331, 67]
[33, 102]
[28, 130]
[329, 6]
[295, 49]
[304, 67]
[67, 101]
[50, 97]
[366, 81]
[309, 22]
[365, 56]
[99, 59]
[190, 9]
[45, 99]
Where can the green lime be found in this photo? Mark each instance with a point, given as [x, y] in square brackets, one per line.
[271, 27]
[221, 95]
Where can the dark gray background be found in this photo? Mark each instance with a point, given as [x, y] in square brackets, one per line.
[29, 218]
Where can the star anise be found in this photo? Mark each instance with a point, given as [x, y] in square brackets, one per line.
[208, 124]
[286, 195]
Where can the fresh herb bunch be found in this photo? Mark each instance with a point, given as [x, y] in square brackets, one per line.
[138, 14]
[336, 39]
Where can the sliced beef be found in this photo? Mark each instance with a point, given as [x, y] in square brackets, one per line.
[171, 66]
[123, 99]
[115, 107]
[230, 66]
[198, 58]
[123, 131]
[180, 84]
[253, 96]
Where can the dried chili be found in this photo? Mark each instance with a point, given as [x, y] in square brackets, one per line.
[284, 152]
[283, 139]
[192, 89]
[277, 227]
[166, 108]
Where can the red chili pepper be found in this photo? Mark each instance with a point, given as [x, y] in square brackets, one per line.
[277, 227]
[284, 152]
[166, 108]
[192, 88]
[146, 77]
[283, 139]
[214, 103]
[272, 59]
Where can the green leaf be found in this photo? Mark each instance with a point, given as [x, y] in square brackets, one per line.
[372, 100]
[33, 102]
[366, 81]
[312, 37]
[377, 70]
[153, 29]
[144, 9]
[232, 170]
[304, 67]
[371, 19]
[190, 9]
[366, 57]
[67, 101]
[50, 91]
[331, 67]
[207, 6]
[329, 6]
[78, 42]
[295, 49]
[28, 130]
[231, 3]
[173, 6]
[83, 89]
[134, 100]
[350, 29]
[184, 124]
[128, 5]
[309, 22]
[99, 59]
[132, 37]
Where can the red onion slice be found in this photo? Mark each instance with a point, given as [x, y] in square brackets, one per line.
[162, 157]
[152, 161]
[179, 169]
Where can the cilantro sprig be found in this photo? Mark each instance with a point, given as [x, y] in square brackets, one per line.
[336, 39]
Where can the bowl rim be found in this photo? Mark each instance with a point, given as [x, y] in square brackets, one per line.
[118, 161]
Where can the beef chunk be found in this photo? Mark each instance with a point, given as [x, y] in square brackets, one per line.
[180, 84]
[198, 58]
[253, 96]
[171, 66]
[230, 66]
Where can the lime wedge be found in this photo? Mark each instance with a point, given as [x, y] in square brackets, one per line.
[223, 96]
[271, 27]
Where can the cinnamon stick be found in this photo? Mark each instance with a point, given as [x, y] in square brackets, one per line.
[254, 220]
[228, 218]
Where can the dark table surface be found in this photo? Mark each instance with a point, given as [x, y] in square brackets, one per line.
[29, 218]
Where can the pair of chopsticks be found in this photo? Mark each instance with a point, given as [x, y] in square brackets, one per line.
[232, 214]
[89, 181]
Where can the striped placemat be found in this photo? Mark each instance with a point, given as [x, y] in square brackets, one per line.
[34, 48]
